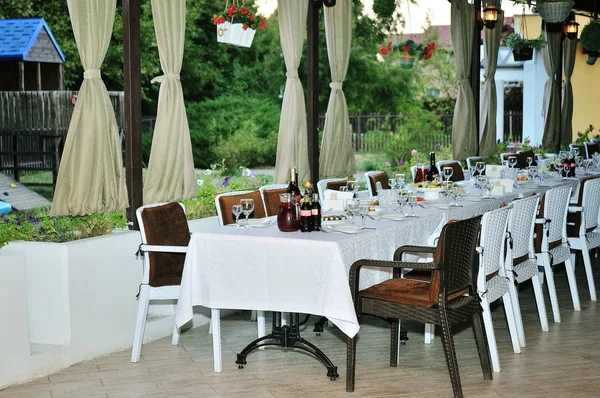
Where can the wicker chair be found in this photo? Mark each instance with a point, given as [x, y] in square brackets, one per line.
[520, 264]
[522, 159]
[270, 197]
[580, 148]
[372, 177]
[551, 245]
[224, 201]
[329, 183]
[491, 281]
[591, 148]
[457, 172]
[440, 302]
[582, 220]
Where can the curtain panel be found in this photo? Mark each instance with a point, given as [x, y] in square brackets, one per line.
[337, 154]
[171, 175]
[551, 105]
[489, 100]
[292, 141]
[464, 130]
[569, 54]
[91, 177]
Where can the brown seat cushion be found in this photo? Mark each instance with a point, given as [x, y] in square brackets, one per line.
[272, 200]
[457, 171]
[402, 291]
[335, 185]
[380, 177]
[522, 159]
[166, 225]
[227, 201]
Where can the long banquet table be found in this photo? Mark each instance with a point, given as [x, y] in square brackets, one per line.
[265, 269]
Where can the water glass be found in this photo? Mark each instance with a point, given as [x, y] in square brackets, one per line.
[412, 202]
[400, 180]
[532, 173]
[236, 210]
[512, 161]
[448, 173]
[480, 166]
[247, 208]
[352, 206]
[352, 186]
[529, 160]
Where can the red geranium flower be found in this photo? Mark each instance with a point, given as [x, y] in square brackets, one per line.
[406, 48]
[383, 50]
[245, 27]
[240, 15]
[252, 17]
[244, 11]
[427, 55]
[263, 23]
[389, 46]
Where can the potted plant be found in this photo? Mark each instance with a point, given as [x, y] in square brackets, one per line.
[237, 25]
[590, 41]
[384, 9]
[523, 48]
[554, 11]
[409, 51]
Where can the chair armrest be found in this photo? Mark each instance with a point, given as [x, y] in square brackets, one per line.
[575, 209]
[164, 249]
[540, 221]
[413, 249]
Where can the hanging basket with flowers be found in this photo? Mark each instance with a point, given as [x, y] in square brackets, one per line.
[409, 51]
[554, 11]
[590, 41]
[237, 24]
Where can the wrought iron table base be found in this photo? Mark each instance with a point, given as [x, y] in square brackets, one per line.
[288, 336]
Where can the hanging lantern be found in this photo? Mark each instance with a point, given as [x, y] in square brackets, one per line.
[571, 28]
[490, 16]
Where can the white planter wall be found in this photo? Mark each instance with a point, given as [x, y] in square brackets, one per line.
[72, 301]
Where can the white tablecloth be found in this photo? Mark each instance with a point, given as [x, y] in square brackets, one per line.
[265, 269]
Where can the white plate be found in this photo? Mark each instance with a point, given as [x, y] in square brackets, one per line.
[438, 189]
[260, 222]
[336, 222]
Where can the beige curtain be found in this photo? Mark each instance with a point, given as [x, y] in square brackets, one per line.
[337, 155]
[292, 141]
[551, 105]
[489, 100]
[171, 175]
[569, 53]
[464, 134]
[91, 178]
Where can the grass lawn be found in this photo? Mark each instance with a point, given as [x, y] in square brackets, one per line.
[38, 177]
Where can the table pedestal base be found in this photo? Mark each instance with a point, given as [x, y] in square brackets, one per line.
[288, 336]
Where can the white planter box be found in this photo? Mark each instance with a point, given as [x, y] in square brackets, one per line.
[234, 34]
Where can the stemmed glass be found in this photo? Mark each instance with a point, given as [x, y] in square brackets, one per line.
[393, 183]
[448, 173]
[403, 199]
[529, 160]
[400, 180]
[412, 202]
[454, 193]
[247, 208]
[532, 171]
[236, 210]
[480, 167]
[567, 169]
[352, 206]
[512, 161]
[351, 186]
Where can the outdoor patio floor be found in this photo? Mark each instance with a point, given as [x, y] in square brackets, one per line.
[564, 362]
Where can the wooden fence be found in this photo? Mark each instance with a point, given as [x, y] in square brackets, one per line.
[33, 129]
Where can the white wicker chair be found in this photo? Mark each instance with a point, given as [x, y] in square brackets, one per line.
[491, 284]
[520, 264]
[218, 206]
[269, 188]
[322, 186]
[553, 247]
[368, 180]
[584, 238]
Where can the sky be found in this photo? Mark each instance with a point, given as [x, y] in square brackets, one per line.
[414, 14]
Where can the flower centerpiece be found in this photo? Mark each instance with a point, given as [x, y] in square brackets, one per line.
[409, 51]
[590, 41]
[237, 25]
[523, 48]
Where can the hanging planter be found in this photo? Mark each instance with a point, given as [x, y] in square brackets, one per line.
[554, 11]
[409, 51]
[384, 9]
[590, 41]
[523, 48]
[237, 24]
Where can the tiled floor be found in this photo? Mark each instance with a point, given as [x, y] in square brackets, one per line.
[564, 362]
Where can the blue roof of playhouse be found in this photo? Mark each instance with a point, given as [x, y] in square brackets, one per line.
[17, 36]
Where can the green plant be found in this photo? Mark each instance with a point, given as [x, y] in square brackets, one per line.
[590, 36]
[384, 9]
[247, 148]
[418, 50]
[516, 42]
[585, 136]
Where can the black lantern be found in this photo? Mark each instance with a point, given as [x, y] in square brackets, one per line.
[490, 16]
[571, 28]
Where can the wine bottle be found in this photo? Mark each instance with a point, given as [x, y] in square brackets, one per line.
[433, 171]
[316, 213]
[306, 220]
[293, 185]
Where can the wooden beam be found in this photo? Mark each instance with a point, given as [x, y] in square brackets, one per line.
[476, 65]
[312, 108]
[61, 77]
[21, 76]
[39, 76]
[133, 107]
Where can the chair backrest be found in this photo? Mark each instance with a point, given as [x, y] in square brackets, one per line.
[591, 148]
[553, 207]
[163, 224]
[372, 177]
[457, 171]
[522, 159]
[492, 239]
[521, 223]
[591, 203]
[224, 202]
[581, 149]
[270, 197]
[323, 185]
[471, 160]
[456, 249]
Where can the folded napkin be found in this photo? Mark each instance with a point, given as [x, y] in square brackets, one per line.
[335, 199]
[501, 186]
[494, 171]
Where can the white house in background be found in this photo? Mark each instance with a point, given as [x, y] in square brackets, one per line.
[533, 77]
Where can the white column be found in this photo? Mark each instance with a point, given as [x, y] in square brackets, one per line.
[500, 110]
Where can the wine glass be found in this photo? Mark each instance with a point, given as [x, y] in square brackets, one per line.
[529, 161]
[512, 161]
[480, 167]
[403, 199]
[400, 180]
[448, 173]
[532, 172]
[352, 206]
[236, 210]
[247, 208]
[412, 202]
[393, 183]
[567, 169]
[351, 186]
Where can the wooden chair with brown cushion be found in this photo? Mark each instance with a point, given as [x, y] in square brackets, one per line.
[522, 159]
[373, 177]
[442, 301]
[457, 171]
[165, 236]
[224, 202]
[329, 183]
[270, 196]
